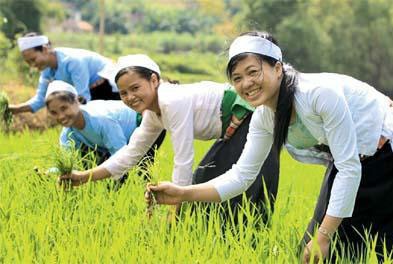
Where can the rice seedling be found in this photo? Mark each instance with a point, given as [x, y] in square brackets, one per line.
[152, 175]
[5, 113]
[65, 160]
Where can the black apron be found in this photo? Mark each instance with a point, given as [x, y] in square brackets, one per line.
[103, 91]
[373, 206]
[220, 158]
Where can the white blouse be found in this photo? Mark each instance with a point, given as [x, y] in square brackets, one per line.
[188, 112]
[346, 114]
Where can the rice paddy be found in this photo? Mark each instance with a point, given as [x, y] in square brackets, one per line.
[42, 223]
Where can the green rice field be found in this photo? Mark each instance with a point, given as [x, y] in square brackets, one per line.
[41, 223]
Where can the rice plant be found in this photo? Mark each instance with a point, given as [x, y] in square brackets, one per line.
[5, 113]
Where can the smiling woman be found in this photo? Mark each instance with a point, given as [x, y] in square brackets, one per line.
[81, 68]
[100, 126]
[322, 118]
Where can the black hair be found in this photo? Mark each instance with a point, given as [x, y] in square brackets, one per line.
[65, 96]
[143, 72]
[282, 116]
[35, 34]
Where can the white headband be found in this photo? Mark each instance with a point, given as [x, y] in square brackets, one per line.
[137, 60]
[25, 43]
[254, 44]
[60, 86]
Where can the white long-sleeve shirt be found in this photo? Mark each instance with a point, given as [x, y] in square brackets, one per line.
[188, 112]
[347, 115]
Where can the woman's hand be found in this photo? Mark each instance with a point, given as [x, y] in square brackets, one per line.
[75, 178]
[319, 251]
[164, 193]
[20, 108]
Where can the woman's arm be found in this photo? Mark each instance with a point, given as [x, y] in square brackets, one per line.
[172, 194]
[259, 142]
[340, 133]
[36, 102]
[20, 108]
[140, 142]
[179, 117]
[80, 177]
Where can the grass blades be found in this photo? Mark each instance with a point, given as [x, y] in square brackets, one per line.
[40, 223]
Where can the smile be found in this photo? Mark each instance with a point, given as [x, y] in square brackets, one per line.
[135, 103]
[253, 92]
[64, 122]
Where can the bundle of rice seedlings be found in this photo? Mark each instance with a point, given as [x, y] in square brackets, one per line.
[65, 160]
[5, 113]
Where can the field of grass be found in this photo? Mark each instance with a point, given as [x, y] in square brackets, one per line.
[41, 223]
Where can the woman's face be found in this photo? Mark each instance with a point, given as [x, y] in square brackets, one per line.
[138, 93]
[65, 113]
[36, 59]
[257, 82]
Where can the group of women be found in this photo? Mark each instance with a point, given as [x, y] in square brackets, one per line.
[321, 118]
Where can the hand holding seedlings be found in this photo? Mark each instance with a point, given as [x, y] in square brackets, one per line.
[5, 113]
[64, 160]
[151, 201]
[74, 178]
[167, 193]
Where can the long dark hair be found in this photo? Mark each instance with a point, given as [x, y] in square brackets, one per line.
[287, 91]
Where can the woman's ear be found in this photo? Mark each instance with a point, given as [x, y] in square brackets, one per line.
[45, 49]
[278, 67]
[154, 79]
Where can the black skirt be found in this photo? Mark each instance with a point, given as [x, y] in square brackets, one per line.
[373, 206]
[220, 158]
[103, 91]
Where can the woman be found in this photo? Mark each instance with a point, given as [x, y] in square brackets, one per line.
[323, 118]
[101, 126]
[78, 67]
[193, 111]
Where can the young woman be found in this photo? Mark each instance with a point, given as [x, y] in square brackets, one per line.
[100, 126]
[78, 67]
[192, 111]
[322, 118]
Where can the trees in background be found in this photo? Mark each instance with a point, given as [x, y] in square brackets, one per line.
[130, 16]
[347, 36]
[20, 16]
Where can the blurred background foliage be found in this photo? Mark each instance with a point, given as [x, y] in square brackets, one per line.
[189, 38]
